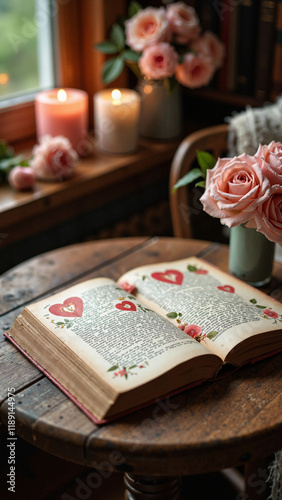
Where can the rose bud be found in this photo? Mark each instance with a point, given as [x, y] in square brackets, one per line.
[22, 178]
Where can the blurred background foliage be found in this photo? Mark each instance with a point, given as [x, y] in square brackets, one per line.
[18, 47]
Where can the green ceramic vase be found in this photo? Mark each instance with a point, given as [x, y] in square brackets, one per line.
[161, 110]
[251, 256]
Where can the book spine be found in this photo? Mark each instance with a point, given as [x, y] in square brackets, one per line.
[209, 14]
[233, 49]
[224, 36]
[265, 47]
[276, 86]
[247, 39]
[229, 37]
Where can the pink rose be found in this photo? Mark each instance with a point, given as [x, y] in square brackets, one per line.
[271, 161]
[22, 178]
[54, 158]
[209, 45]
[235, 187]
[127, 287]
[196, 71]
[268, 216]
[193, 330]
[271, 314]
[158, 61]
[184, 22]
[147, 26]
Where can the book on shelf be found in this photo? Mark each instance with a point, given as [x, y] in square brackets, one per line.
[247, 40]
[265, 49]
[276, 84]
[229, 36]
[209, 14]
[162, 328]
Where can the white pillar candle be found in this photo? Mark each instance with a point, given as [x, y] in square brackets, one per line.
[116, 120]
[63, 112]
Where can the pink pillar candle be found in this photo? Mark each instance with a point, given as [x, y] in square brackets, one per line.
[63, 112]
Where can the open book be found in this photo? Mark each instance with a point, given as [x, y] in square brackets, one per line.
[114, 348]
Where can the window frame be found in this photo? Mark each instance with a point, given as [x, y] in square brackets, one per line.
[80, 25]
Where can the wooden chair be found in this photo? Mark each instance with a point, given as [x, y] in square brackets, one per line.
[212, 139]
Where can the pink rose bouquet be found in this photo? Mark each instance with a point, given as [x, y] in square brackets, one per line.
[163, 44]
[244, 189]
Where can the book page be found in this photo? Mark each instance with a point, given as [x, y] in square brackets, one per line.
[213, 307]
[126, 342]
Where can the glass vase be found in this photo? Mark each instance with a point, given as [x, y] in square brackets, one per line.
[161, 110]
[251, 256]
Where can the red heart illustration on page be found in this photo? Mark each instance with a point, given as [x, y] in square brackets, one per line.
[170, 276]
[227, 288]
[71, 307]
[126, 305]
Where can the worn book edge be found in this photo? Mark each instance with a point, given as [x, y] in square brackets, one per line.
[97, 421]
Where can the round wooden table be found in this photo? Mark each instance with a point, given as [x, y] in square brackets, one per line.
[236, 420]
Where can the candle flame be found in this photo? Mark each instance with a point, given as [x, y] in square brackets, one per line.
[116, 97]
[116, 94]
[62, 95]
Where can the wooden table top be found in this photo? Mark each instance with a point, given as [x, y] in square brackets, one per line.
[221, 424]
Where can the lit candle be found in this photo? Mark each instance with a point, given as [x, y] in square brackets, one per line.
[116, 120]
[63, 112]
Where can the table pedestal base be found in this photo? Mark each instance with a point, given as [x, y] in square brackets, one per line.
[151, 487]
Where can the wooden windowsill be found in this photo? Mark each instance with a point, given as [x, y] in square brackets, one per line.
[99, 179]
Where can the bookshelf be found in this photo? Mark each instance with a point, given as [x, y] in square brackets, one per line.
[251, 31]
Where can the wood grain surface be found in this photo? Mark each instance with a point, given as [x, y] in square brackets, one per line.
[232, 421]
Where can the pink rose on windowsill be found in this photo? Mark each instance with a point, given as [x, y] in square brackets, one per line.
[22, 178]
[270, 158]
[158, 61]
[184, 22]
[146, 27]
[54, 159]
[235, 187]
[195, 71]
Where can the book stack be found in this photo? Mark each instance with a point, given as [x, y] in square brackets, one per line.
[251, 31]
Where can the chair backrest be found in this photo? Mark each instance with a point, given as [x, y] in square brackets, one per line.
[211, 139]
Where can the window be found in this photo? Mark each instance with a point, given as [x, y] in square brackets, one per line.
[76, 26]
[26, 52]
